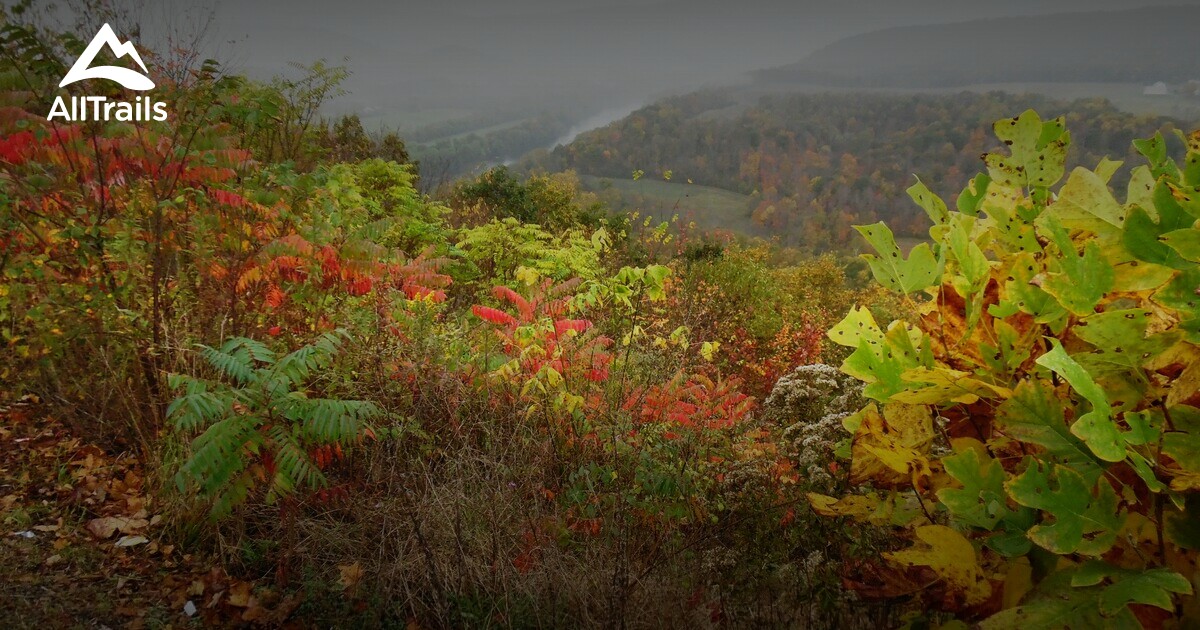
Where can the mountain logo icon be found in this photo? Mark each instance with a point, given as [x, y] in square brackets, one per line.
[126, 77]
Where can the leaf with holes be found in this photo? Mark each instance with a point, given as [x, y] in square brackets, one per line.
[1097, 427]
[1085, 519]
[981, 501]
[1077, 281]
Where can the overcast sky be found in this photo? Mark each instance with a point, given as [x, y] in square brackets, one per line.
[455, 52]
[489, 54]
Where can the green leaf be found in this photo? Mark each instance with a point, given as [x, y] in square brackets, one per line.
[1022, 295]
[1010, 539]
[1183, 443]
[1055, 605]
[264, 414]
[971, 198]
[1185, 242]
[1085, 203]
[972, 264]
[933, 205]
[1144, 426]
[1152, 587]
[1122, 347]
[1183, 526]
[233, 361]
[1011, 349]
[1038, 152]
[1012, 229]
[1096, 428]
[1080, 281]
[881, 361]
[1143, 236]
[1035, 415]
[981, 501]
[1155, 151]
[1182, 293]
[919, 271]
[1084, 521]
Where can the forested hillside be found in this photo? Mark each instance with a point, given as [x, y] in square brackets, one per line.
[815, 165]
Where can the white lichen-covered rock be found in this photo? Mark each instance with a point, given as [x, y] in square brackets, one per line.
[810, 403]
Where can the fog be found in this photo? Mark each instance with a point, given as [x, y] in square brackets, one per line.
[415, 63]
[589, 55]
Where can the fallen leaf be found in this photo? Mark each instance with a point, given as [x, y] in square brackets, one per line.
[106, 526]
[239, 594]
[130, 541]
[351, 575]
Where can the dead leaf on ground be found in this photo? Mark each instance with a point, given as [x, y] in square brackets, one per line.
[351, 574]
[239, 594]
[106, 526]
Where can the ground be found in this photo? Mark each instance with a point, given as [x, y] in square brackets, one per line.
[84, 546]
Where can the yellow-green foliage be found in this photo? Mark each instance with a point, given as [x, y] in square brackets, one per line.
[1045, 408]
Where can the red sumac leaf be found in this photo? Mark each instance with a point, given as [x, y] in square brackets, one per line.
[493, 315]
[523, 305]
[275, 297]
[578, 325]
[227, 198]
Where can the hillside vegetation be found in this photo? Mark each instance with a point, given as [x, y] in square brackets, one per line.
[814, 165]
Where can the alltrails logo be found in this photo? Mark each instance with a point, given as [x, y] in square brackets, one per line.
[82, 108]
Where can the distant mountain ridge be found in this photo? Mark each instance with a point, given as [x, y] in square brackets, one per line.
[1139, 45]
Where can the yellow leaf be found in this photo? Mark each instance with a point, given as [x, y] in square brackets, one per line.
[1017, 582]
[855, 506]
[527, 276]
[951, 557]
[945, 385]
[1184, 480]
[1185, 390]
[890, 448]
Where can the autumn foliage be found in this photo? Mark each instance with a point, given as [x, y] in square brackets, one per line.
[371, 407]
[1038, 405]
